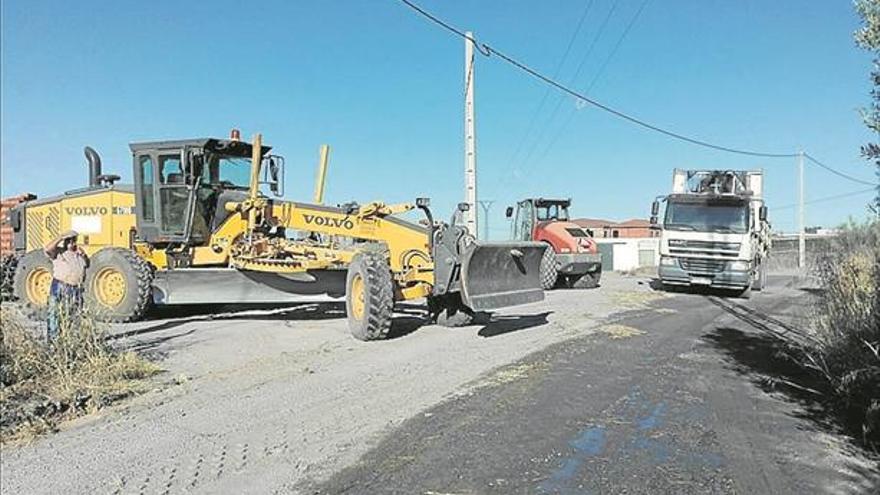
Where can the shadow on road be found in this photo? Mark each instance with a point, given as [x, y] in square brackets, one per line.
[657, 285]
[768, 362]
[407, 319]
[505, 324]
[315, 311]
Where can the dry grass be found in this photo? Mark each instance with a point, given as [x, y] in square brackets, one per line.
[847, 347]
[636, 300]
[42, 385]
[617, 331]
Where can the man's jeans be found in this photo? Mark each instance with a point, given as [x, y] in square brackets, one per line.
[65, 306]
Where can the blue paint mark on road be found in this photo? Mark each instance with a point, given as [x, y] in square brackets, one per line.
[654, 419]
[658, 450]
[591, 441]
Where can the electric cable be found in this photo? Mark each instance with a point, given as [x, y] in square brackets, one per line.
[837, 172]
[487, 50]
[825, 199]
[559, 66]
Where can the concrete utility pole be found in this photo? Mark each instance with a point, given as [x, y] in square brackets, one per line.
[470, 140]
[486, 204]
[802, 247]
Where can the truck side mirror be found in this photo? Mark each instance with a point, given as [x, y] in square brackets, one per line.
[762, 213]
[464, 207]
[509, 212]
[655, 210]
[653, 220]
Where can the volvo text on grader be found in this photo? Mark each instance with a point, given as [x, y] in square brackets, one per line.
[195, 227]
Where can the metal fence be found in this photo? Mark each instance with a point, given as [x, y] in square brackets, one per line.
[784, 253]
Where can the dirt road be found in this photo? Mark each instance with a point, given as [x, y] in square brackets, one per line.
[278, 401]
[257, 401]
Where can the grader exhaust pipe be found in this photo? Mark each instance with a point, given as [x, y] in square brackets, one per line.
[94, 161]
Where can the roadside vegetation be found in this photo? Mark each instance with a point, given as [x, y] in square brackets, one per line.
[42, 385]
[846, 347]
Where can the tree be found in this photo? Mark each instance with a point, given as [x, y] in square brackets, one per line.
[868, 38]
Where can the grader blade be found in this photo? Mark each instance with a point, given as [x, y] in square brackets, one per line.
[495, 275]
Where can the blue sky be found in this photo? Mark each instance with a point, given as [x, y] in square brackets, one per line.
[385, 88]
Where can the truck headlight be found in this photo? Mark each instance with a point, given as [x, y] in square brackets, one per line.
[740, 266]
[668, 261]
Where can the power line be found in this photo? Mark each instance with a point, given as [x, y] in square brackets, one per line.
[540, 106]
[571, 80]
[596, 77]
[825, 199]
[838, 173]
[488, 50]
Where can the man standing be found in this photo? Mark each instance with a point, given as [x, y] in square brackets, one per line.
[68, 274]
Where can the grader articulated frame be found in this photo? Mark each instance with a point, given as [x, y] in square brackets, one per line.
[196, 228]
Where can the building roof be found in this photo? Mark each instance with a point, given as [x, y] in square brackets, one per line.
[632, 223]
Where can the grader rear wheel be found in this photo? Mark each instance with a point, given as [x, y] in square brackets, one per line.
[7, 276]
[369, 300]
[33, 277]
[118, 285]
[109, 287]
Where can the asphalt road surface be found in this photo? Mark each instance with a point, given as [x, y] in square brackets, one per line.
[680, 399]
[623, 389]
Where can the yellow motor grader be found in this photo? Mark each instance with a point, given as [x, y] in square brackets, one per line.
[196, 227]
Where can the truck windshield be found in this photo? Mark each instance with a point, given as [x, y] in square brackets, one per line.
[552, 212]
[704, 217]
[229, 171]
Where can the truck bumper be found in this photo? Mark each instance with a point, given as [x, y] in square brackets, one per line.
[724, 279]
[578, 263]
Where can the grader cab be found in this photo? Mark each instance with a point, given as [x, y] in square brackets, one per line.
[196, 227]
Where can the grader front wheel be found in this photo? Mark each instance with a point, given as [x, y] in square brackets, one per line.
[369, 299]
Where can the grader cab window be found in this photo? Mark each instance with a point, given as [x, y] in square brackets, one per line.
[230, 172]
[173, 194]
[145, 164]
[170, 169]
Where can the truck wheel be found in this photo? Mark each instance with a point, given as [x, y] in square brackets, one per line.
[30, 285]
[585, 281]
[448, 311]
[548, 269]
[119, 285]
[760, 280]
[369, 298]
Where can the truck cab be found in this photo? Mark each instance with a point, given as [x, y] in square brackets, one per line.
[573, 257]
[714, 231]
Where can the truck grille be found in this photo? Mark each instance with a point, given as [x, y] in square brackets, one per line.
[704, 248]
[698, 265]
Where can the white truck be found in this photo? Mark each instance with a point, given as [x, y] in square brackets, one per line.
[715, 231]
